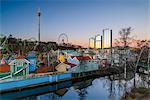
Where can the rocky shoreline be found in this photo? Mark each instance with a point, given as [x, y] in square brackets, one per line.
[140, 93]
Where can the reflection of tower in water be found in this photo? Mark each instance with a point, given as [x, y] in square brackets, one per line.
[82, 94]
[54, 97]
[111, 90]
[49, 96]
[81, 88]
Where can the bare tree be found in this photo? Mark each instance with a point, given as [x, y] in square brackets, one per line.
[125, 38]
[123, 43]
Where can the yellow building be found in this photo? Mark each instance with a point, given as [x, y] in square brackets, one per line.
[61, 58]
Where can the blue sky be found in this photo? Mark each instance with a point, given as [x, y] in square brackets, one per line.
[79, 19]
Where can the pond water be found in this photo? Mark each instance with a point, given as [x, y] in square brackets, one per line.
[102, 88]
[97, 89]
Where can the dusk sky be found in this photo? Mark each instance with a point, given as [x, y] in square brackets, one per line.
[79, 19]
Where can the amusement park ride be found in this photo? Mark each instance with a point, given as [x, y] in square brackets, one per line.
[21, 68]
[62, 39]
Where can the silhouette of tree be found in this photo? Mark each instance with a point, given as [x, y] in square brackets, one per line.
[125, 39]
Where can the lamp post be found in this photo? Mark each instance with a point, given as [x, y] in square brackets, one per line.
[39, 14]
[148, 65]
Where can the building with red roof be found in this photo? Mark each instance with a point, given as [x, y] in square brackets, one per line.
[72, 65]
[85, 63]
[80, 58]
[4, 68]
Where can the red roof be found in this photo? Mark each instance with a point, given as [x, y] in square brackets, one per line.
[82, 57]
[20, 57]
[72, 65]
[4, 68]
[44, 69]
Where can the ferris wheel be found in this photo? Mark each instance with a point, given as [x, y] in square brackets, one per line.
[63, 38]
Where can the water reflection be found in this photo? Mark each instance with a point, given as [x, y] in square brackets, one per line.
[104, 88]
